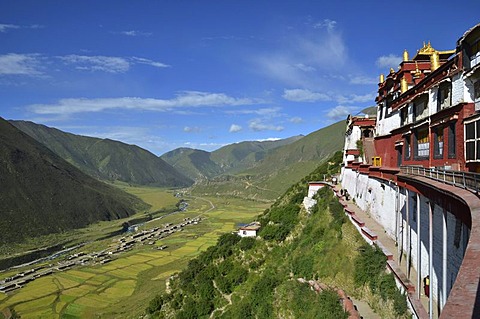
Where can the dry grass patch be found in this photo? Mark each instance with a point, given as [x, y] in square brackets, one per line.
[33, 290]
[79, 291]
[36, 304]
[162, 260]
[65, 281]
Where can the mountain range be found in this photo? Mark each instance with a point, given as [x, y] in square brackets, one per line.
[107, 159]
[52, 180]
[41, 193]
[230, 159]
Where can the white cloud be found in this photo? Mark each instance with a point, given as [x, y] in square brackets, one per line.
[340, 112]
[234, 128]
[388, 61]
[110, 64]
[150, 62]
[362, 79]
[5, 27]
[20, 64]
[97, 63]
[326, 23]
[269, 139]
[135, 33]
[182, 100]
[303, 95]
[266, 112]
[258, 125]
[296, 120]
[305, 56]
[305, 68]
[354, 98]
[190, 129]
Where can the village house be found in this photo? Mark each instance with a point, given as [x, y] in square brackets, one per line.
[249, 230]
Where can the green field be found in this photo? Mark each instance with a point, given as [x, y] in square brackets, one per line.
[123, 287]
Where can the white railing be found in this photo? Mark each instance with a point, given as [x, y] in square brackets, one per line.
[466, 180]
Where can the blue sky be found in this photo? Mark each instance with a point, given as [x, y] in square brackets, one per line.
[203, 74]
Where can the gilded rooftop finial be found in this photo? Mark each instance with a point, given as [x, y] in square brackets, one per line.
[417, 73]
[427, 49]
[405, 55]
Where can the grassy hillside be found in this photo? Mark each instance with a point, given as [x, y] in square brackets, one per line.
[107, 159]
[280, 168]
[261, 277]
[230, 159]
[196, 164]
[41, 193]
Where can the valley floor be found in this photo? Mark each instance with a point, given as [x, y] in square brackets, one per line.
[124, 286]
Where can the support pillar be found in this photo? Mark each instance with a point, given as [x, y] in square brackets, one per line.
[419, 250]
[444, 260]
[430, 258]
[408, 235]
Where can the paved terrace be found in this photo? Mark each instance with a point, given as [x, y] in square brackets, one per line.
[374, 233]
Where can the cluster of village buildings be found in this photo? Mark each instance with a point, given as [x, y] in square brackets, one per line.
[145, 237]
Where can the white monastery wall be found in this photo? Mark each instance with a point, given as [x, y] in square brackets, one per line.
[462, 90]
[378, 198]
[385, 125]
[373, 196]
[352, 138]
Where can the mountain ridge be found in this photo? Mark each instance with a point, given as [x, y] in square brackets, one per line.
[107, 159]
[42, 193]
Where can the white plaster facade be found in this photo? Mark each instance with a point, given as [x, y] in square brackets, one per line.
[247, 233]
[387, 123]
[396, 209]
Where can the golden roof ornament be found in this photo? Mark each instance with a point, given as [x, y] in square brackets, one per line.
[417, 73]
[434, 61]
[392, 71]
[427, 49]
[403, 85]
[405, 55]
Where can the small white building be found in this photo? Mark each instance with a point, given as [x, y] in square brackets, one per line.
[249, 230]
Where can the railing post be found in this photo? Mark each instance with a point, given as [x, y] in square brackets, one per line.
[475, 182]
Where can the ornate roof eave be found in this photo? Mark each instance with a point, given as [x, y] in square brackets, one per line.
[466, 34]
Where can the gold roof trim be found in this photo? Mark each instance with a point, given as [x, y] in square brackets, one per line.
[427, 49]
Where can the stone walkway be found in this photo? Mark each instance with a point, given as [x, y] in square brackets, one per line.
[396, 263]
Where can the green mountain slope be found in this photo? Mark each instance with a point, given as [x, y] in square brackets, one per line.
[229, 159]
[280, 168]
[42, 194]
[107, 159]
[273, 275]
[196, 164]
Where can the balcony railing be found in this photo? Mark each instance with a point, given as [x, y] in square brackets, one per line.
[466, 180]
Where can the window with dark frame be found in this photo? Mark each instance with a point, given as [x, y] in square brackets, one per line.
[422, 144]
[470, 142]
[403, 116]
[444, 98]
[438, 143]
[476, 94]
[407, 150]
[452, 143]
